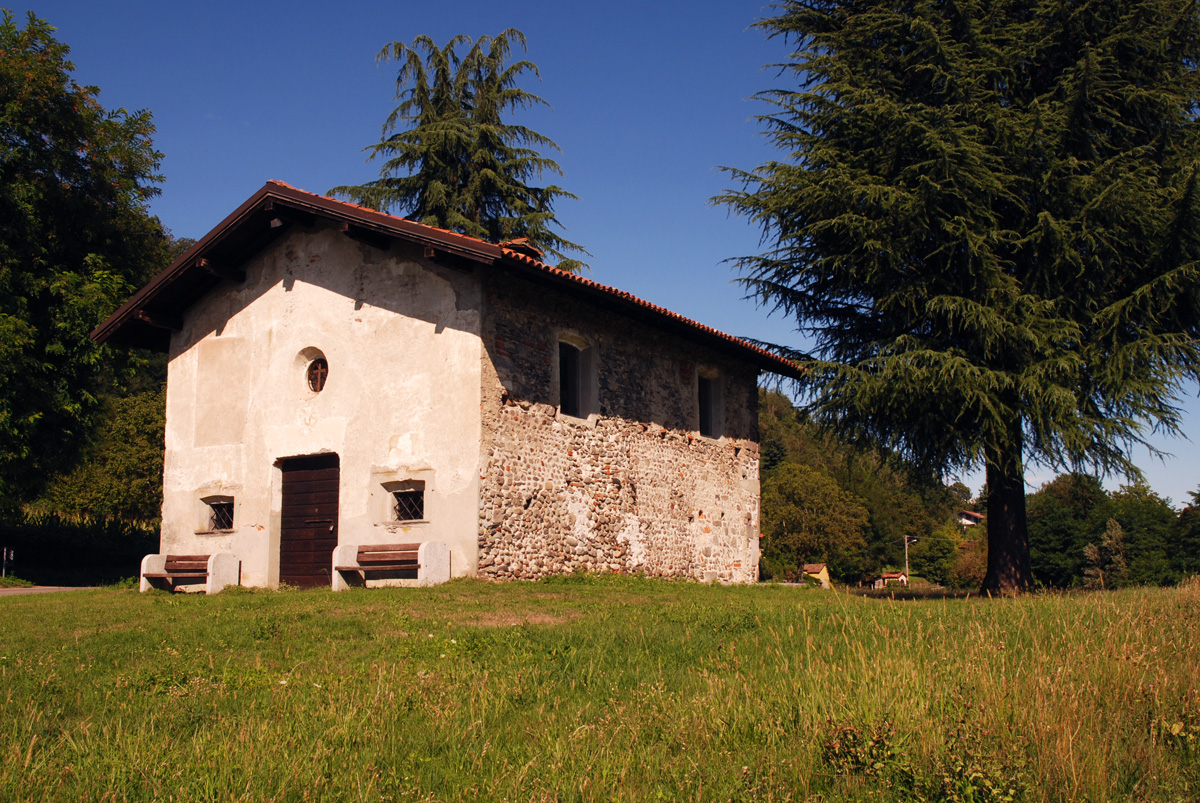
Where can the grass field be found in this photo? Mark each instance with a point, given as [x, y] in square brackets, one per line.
[599, 689]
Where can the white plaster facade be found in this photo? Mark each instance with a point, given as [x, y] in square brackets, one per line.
[401, 401]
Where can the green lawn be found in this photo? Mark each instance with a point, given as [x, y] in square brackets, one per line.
[599, 689]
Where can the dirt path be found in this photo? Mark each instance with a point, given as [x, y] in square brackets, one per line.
[13, 592]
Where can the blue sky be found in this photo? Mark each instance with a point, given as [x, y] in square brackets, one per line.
[648, 99]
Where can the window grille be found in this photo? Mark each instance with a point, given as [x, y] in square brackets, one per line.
[220, 516]
[409, 505]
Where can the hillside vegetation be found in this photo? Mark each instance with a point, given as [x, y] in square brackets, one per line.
[605, 688]
[825, 501]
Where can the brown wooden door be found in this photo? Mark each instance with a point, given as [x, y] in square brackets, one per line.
[308, 533]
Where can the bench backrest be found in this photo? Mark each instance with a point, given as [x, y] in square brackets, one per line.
[187, 563]
[387, 553]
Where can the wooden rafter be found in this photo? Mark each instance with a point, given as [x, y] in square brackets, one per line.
[160, 320]
[372, 238]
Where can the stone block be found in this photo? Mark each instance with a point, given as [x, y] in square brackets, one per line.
[434, 559]
[151, 563]
[343, 555]
[224, 569]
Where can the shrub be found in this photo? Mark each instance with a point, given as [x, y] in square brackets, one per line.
[49, 549]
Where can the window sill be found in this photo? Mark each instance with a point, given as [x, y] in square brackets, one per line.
[216, 532]
[405, 523]
[588, 421]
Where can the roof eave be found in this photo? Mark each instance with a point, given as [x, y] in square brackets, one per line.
[253, 225]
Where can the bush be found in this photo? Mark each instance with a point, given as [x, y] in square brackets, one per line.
[49, 549]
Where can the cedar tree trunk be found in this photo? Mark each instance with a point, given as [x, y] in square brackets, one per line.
[1008, 536]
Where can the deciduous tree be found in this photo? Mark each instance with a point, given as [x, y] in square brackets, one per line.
[1065, 515]
[1185, 556]
[449, 157]
[74, 237]
[808, 519]
[1149, 525]
[987, 219]
[1105, 566]
[933, 556]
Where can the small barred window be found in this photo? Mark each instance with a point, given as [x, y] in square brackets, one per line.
[220, 516]
[408, 505]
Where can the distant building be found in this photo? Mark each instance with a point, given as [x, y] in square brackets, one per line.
[969, 518]
[892, 579]
[818, 571]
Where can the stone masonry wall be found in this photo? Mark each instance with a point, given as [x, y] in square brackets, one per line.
[631, 488]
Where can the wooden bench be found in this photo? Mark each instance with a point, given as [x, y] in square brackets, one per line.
[167, 571]
[383, 558]
[427, 561]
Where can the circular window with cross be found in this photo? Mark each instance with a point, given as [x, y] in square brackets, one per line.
[313, 369]
[318, 373]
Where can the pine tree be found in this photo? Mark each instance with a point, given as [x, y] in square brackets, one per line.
[986, 218]
[449, 158]
[1105, 566]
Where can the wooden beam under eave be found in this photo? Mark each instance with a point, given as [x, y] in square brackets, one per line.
[448, 260]
[372, 238]
[159, 320]
[221, 270]
[280, 214]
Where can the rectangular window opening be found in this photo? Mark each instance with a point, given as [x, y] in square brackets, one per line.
[569, 380]
[708, 402]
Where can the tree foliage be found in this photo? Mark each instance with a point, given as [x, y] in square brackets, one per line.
[1065, 515]
[987, 220]
[449, 158]
[120, 475]
[1185, 558]
[815, 489]
[75, 236]
[1068, 521]
[1149, 526]
[1105, 566]
[933, 557]
[808, 519]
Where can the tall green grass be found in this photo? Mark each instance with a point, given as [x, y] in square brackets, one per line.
[585, 689]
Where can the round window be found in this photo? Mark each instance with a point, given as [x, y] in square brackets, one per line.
[318, 372]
